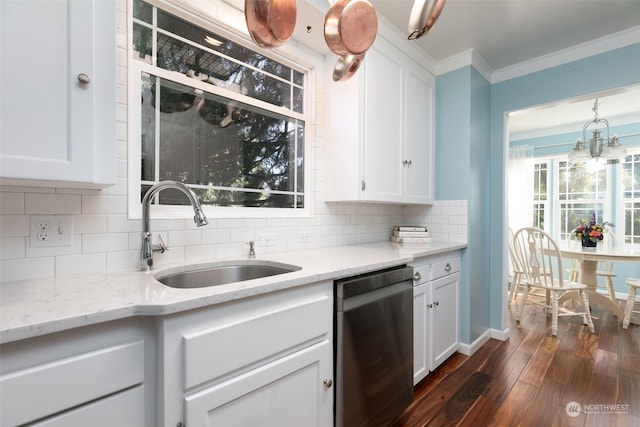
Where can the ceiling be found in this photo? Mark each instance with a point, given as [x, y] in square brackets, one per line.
[506, 33]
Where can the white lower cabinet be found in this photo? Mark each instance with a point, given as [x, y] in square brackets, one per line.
[265, 360]
[89, 376]
[286, 392]
[436, 312]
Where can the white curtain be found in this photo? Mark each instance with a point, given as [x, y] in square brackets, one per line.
[520, 185]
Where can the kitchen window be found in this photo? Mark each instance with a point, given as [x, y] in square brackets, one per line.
[216, 115]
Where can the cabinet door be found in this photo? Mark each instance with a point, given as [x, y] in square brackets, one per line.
[383, 122]
[290, 391]
[444, 325]
[420, 342]
[418, 153]
[55, 126]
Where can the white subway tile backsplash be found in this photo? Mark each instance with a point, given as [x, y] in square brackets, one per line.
[52, 204]
[14, 225]
[105, 242]
[11, 203]
[26, 269]
[83, 224]
[92, 204]
[184, 238]
[81, 264]
[123, 261]
[12, 247]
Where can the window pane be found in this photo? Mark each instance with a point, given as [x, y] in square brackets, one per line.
[148, 129]
[142, 11]
[209, 140]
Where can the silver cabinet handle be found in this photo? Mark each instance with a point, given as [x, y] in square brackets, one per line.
[437, 303]
[328, 383]
[406, 162]
[417, 276]
[447, 267]
[84, 78]
[429, 305]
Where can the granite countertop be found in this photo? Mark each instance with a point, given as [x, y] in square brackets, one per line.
[37, 307]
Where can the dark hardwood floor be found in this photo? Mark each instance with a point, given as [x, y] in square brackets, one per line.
[532, 378]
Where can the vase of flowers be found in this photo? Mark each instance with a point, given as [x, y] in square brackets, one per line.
[590, 231]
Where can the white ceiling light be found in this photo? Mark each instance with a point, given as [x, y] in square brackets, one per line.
[596, 145]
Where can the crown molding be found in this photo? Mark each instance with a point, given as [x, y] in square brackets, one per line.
[594, 47]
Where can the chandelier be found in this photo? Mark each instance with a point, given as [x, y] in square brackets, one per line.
[596, 147]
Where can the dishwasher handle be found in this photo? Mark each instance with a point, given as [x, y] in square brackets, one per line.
[344, 305]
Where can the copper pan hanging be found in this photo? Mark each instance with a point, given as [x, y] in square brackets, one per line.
[270, 22]
[350, 27]
[424, 15]
[346, 66]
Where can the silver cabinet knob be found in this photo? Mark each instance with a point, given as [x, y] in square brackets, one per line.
[447, 267]
[429, 305]
[417, 276]
[328, 383]
[84, 78]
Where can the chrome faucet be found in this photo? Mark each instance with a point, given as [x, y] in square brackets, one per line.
[148, 248]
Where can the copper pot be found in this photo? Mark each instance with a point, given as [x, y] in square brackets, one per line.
[270, 22]
[346, 66]
[350, 27]
[424, 15]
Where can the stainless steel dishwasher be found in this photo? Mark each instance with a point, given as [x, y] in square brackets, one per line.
[373, 347]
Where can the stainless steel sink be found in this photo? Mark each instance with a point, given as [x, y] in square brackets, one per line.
[221, 273]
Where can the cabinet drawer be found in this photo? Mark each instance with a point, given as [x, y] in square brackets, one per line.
[43, 390]
[125, 409]
[215, 352]
[445, 267]
[421, 274]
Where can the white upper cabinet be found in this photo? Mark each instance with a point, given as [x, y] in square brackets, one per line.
[379, 140]
[57, 76]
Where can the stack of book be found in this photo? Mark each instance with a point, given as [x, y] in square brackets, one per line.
[410, 234]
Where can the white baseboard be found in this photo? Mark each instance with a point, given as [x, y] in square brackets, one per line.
[470, 349]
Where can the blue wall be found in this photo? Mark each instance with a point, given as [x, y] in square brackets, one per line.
[462, 167]
[470, 160]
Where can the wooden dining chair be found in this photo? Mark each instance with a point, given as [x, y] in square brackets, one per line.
[629, 308]
[516, 268]
[539, 255]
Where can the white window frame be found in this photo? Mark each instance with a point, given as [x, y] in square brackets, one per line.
[135, 68]
[607, 201]
[620, 208]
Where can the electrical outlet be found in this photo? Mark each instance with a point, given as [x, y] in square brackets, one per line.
[267, 239]
[50, 230]
[304, 237]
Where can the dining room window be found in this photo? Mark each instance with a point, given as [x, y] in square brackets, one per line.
[582, 190]
[540, 193]
[218, 115]
[631, 197]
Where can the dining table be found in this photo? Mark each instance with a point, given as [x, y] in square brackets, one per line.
[588, 258]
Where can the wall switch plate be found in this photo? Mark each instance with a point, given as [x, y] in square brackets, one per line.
[50, 230]
[304, 237]
[267, 239]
